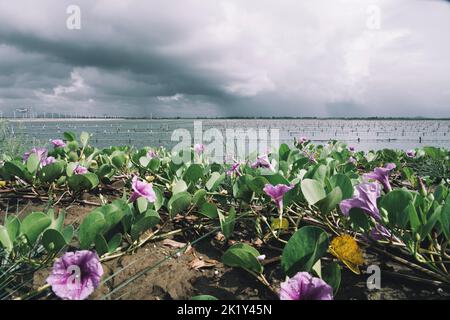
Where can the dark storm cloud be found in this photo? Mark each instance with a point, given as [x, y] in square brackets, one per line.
[207, 58]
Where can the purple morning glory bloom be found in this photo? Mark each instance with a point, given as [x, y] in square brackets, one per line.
[382, 176]
[199, 148]
[234, 169]
[47, 161]
[303, 286]
[151, 154]
[277, 193]
[40, 152]
[411, 153]
[365, 199]
[302, 140]
[142, 189]
[351, 148]
[80, 170]
[58, 143]
[76, 275]
[262, 162]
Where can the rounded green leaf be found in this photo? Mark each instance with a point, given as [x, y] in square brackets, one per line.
[93, 224]
[312, 190]
[179, 202]
[34, 224]
[242, 255]
[303, 249]
[53, 241]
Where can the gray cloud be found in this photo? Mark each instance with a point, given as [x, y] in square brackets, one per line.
[224, 58]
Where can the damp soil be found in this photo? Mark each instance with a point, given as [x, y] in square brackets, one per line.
[155, 272]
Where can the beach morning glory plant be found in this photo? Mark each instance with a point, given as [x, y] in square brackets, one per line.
[142, 189]
[277, 193]
[365, 198]
[80, 170]
[76, 275]
[58, 143]
[304, 286]
[382, 176]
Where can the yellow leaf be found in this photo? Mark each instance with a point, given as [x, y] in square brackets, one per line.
[284, 225]
[149, 178]
[2, 184]
[346, 249]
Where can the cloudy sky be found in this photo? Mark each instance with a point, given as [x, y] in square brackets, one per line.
[227, 58]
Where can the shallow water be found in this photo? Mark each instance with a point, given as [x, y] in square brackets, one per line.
[363, 134]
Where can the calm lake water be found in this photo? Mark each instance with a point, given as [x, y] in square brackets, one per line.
[363, 134]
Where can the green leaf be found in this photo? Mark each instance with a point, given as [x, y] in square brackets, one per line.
[343, 182]
[227, 222]
[84, 138]
[215, 180]
[118, 159]
[83, 182]
[180, 186]
[159, 198]
[16, 168]
[303, 249]
[69, 136]
[312, 190]
[141, 204]
[330, 202]
[33, 163]
[193, 173]
[395, 203]
[13, 227]
[444, 218]
[101, 246]
[53, 241]
[93, 224]
[143, 223]
[359, 219]
[115, 242]
[34, 224]
[242, 255]
[5, 240]
[179, 202]
[331, 274]
[52, 172]
[199, 197]
[209, 210]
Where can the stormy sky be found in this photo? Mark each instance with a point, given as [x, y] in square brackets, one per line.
[227, 58]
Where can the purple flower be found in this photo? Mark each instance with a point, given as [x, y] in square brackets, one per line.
[151, 154]
[80, 170]
[262, 162]
[411, 153]
[382, 176]
[277, 193]
[302, 140]
[47, 161]
[303, 286]
[351, 148]
[142, 189]
[40, 152]
[58, 143]
[76, 275]
[234, 169]
[365, 199]
[199, 148]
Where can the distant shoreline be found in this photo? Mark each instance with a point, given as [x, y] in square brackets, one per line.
[217, 118]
